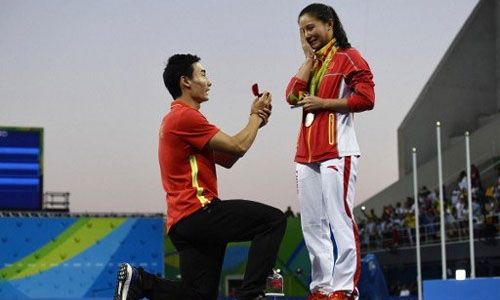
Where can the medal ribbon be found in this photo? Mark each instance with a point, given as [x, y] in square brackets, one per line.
[317, 75]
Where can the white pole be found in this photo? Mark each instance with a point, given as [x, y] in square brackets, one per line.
[417, 224]
[469, 199]
[441, 201]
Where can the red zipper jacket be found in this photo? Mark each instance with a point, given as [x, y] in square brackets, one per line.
[332, 134]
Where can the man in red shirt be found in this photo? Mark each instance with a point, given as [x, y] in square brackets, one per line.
[199, 224]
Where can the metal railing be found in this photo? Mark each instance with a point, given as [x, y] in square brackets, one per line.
[396, 236]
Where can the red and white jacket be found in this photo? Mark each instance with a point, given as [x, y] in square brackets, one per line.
[332, 134]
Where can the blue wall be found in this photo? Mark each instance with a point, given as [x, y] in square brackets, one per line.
[469, 289]
[74, 257]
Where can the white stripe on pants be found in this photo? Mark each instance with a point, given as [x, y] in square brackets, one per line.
[326, 215]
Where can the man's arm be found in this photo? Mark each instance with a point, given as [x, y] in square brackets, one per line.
[228, 149]
[225, 159]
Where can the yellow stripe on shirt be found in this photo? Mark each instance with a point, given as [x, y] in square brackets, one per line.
[194, 179]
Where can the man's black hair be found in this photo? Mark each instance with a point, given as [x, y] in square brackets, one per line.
[178, 65]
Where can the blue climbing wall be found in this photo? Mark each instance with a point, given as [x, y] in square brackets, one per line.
[74, 257]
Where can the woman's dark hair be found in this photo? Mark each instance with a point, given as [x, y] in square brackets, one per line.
[178, 65]
[326, 13]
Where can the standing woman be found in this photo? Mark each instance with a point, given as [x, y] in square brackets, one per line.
[333, 83]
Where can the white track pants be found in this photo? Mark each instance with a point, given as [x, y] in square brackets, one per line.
[326, 195]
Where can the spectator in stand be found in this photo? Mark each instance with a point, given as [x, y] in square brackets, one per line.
[460, 215]
[450, 222]
[371, 229]
[462, 182]
[396, 227]
[380, 227]
[477, 191]
[460, 190]
[400, 211]
[409, 222]
[364, 237]
[493, 191]
[455, 197]
[496, 187]
[477, 210]
[386, 212]
[475, 177]
[498, 177]
[289, 212]
[424, 192]
[433, 198]
[429, 221]
[410, 205]
[372, 216]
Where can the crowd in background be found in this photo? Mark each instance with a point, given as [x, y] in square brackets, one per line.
[395, 225]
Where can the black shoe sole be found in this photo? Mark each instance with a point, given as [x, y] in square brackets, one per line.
[123, 282]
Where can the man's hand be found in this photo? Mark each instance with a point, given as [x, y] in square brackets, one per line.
[262, 106]
[265, 115]
[228, 148]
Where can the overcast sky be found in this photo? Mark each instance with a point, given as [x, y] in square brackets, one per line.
[90, 73]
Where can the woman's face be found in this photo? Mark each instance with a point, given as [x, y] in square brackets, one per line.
[317, 32]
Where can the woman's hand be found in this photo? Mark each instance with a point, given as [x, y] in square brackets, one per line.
[312, 103]
[308, 50]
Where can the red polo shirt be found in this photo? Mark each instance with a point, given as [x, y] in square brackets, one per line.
[187, 166]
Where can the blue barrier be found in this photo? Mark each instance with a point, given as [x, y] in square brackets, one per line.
[74, 258]
[468, 289]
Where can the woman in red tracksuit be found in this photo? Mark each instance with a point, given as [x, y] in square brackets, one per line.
[333, 83]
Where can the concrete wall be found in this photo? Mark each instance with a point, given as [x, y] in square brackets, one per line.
[464, 95]
[462, 89]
